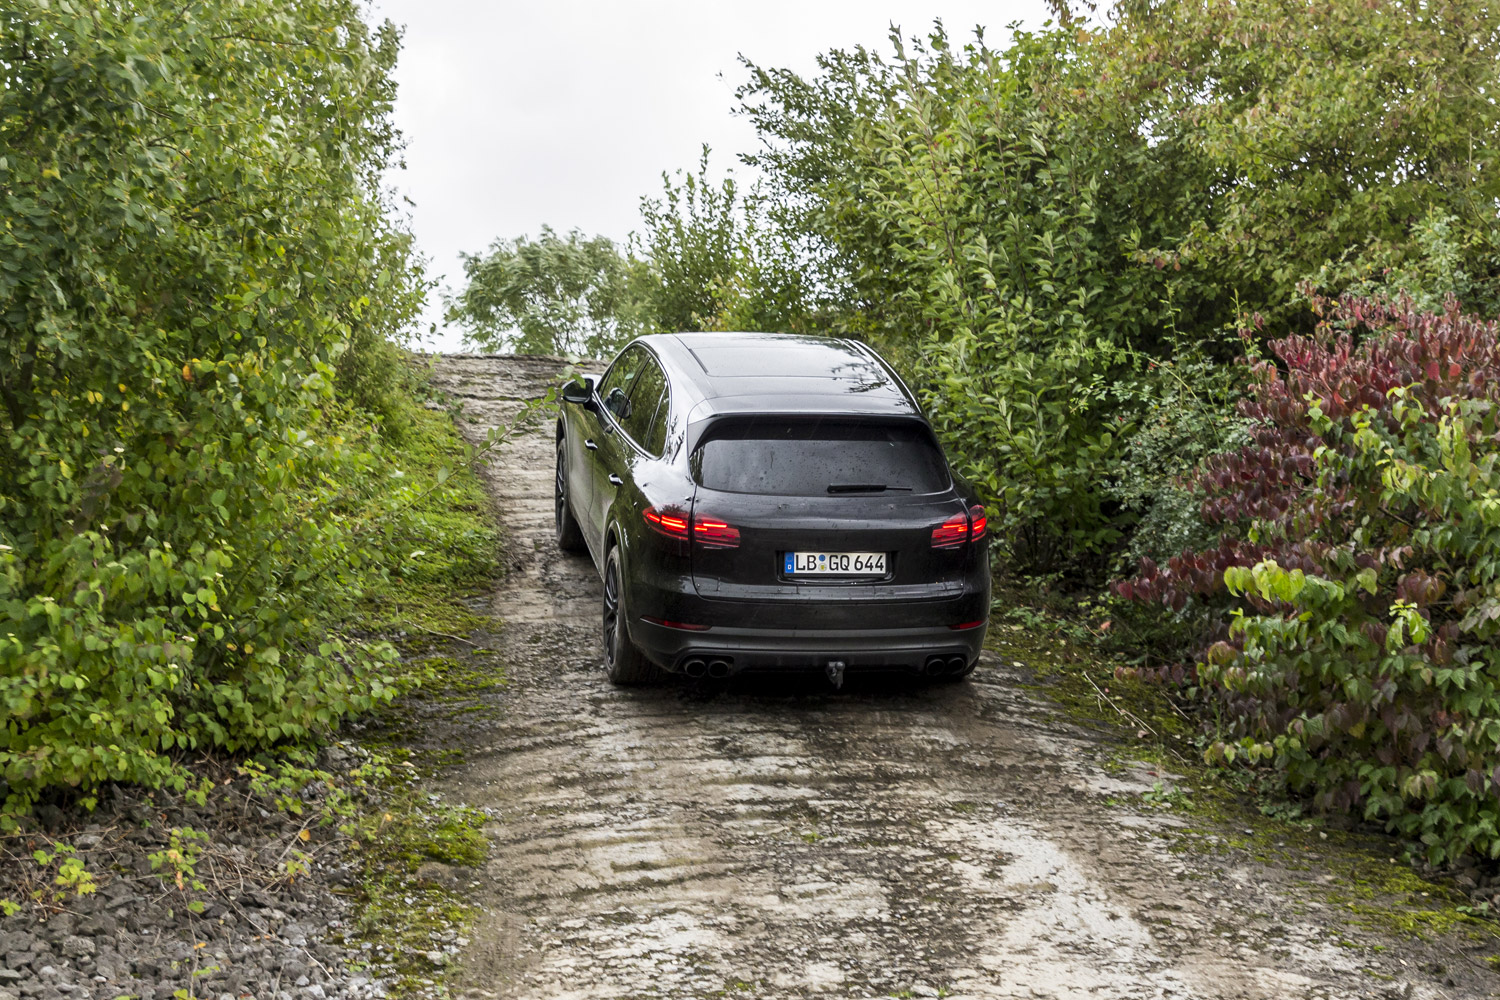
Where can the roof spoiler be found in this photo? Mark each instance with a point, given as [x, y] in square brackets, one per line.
[699, 423]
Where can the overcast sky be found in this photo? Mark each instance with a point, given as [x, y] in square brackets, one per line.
[565, 112]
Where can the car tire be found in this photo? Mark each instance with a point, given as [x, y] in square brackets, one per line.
[625, 665]
[569, 535]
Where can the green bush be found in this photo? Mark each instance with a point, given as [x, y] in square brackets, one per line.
[193, 240]
[979, 216]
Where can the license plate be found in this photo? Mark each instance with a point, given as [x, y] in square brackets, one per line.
[839, 563]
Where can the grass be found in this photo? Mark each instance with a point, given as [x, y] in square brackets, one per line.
[449, 531]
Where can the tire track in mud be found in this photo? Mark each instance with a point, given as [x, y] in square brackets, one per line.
[777, 839]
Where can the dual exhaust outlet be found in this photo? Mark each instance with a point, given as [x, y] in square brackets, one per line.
[937, 666]
[717, 669]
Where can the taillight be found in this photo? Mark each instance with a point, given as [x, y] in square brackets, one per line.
[669, 522]
[966, 527]
[714, 534]
[977, 523]
[709, 532]
[951, 533]
[669, 623]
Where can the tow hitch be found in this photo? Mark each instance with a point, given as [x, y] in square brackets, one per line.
[835, 672]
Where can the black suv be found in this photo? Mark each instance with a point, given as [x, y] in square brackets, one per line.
[768, 501]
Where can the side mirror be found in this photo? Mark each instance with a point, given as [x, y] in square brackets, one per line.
[618, 403]
[579, 392]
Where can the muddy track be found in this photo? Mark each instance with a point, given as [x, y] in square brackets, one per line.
[783, 840]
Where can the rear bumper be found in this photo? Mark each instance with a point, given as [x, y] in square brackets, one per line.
[806, 649]
[811, 626]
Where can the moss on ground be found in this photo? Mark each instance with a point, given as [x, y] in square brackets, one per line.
[416, 853]
[1229, 811]
[1387, 895]
[411, 891]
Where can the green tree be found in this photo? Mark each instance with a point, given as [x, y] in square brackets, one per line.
[1327, 138]
[193, 242]
[707, 257]
[715, 259]
[694, 242]
[551, 295]
[1061, 237]
[979, 215]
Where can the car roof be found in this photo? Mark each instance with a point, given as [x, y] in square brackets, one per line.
[782, 373]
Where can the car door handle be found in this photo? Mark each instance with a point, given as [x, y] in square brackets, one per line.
[590, 445]
[616, 479]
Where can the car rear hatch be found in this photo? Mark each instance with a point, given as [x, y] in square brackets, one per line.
[805, 522]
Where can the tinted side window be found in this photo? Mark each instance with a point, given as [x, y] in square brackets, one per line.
[614, 390]
[647, 397]
[819, 458]
[656, 437]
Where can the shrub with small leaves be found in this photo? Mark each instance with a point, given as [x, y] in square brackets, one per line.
[64, 876]
[177, 863]
[194, 242]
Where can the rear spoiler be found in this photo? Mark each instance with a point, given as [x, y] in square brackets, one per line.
[704, 417]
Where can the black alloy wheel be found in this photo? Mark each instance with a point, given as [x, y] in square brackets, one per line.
[623, 662]
[569, 535]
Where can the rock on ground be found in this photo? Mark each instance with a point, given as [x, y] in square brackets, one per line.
[258, 934]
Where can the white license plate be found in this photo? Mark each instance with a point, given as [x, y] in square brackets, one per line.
[839, 563]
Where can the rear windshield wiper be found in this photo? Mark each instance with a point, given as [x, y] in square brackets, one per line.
[864, 488]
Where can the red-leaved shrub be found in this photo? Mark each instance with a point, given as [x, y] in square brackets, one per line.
[1359, 565]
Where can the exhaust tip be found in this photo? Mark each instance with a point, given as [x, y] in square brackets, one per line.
[956, 664]
[935, 665]
[719, 669]
[695, 668]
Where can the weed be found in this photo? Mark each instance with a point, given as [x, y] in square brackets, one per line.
[70, 879]
[177, 864]
[1166, 797]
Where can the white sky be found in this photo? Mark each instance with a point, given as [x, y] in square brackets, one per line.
[566, 112]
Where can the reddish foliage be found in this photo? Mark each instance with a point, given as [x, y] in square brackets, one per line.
[1271, 481]
[1387, 512]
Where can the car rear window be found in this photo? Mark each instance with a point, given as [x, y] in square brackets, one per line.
[819, 457]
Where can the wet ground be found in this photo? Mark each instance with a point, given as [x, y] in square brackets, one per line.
[780, 839]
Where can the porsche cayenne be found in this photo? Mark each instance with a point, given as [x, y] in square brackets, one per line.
[768, 501]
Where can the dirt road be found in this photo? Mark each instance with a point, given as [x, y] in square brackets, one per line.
[961, 840]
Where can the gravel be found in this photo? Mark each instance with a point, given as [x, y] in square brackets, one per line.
[258, 933]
